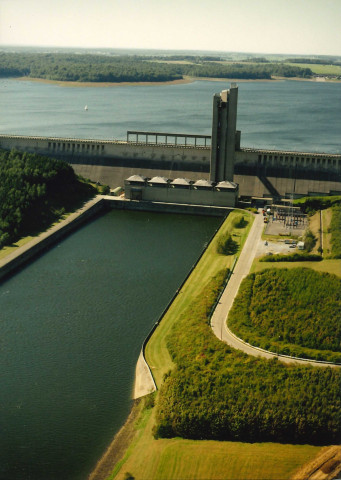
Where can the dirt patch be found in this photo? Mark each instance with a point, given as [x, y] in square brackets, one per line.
[326, 466]
[118, 446]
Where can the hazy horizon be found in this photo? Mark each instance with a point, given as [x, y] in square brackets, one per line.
[283, 27]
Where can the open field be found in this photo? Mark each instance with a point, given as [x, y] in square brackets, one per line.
[329, 266]
[157, 354]
[319, 69]
[176, 458]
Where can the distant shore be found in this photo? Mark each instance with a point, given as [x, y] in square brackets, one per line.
[182, 81]
[62, 83]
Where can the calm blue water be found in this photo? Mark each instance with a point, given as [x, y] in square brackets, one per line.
[72, 326]
[293, 115]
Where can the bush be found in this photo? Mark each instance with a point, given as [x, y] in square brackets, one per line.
[239, 222]
[309, 241]
[226, 245]
[294, 257]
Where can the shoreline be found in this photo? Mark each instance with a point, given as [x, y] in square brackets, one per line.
[117, 448]
[183, 81]
[64, 83]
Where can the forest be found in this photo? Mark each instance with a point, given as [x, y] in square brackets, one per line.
[284, 309]
[216, 392]
[110, 68]
[35, 191]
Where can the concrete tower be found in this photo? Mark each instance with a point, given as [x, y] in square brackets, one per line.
[224, 138]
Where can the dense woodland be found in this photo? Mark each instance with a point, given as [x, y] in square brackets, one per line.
[107, 68]
[34, 192]
[281, 309]
[215, 392]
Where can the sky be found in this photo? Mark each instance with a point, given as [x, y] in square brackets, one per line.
[301, 27]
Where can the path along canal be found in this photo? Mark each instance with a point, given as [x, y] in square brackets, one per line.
[72, 325]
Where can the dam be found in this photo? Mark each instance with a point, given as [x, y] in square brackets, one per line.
[259, 173]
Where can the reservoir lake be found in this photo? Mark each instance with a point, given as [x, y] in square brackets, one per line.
[283, 115]
[72, 326]
[73, 321]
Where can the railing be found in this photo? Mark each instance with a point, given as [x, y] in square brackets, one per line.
[159, 138]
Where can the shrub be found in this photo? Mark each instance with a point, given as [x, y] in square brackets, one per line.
[226, 245]
[294, 257]
[309, 240]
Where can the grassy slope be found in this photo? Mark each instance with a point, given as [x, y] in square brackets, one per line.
[176, 458]
[156, 352]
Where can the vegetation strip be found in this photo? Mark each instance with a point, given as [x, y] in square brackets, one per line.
[275, 354]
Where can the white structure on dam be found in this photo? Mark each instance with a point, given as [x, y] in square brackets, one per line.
[217, 158]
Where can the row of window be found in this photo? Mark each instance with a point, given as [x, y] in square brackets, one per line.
[286, 160]
[75, 147]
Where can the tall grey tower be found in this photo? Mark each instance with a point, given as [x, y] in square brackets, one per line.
[223, 141]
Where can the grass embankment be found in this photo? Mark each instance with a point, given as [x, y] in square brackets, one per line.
[294, 312]
[157, 354]
[176, 458]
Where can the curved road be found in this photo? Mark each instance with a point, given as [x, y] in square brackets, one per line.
[241, 270]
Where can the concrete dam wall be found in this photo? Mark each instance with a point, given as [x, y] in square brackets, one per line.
[259, 173]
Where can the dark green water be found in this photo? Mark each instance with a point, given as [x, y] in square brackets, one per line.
[72, 325]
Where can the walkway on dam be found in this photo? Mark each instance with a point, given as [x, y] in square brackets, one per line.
[241, 270]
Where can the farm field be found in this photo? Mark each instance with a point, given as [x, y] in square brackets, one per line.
[319, 69]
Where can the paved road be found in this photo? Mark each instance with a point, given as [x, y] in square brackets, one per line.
[220, 314]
